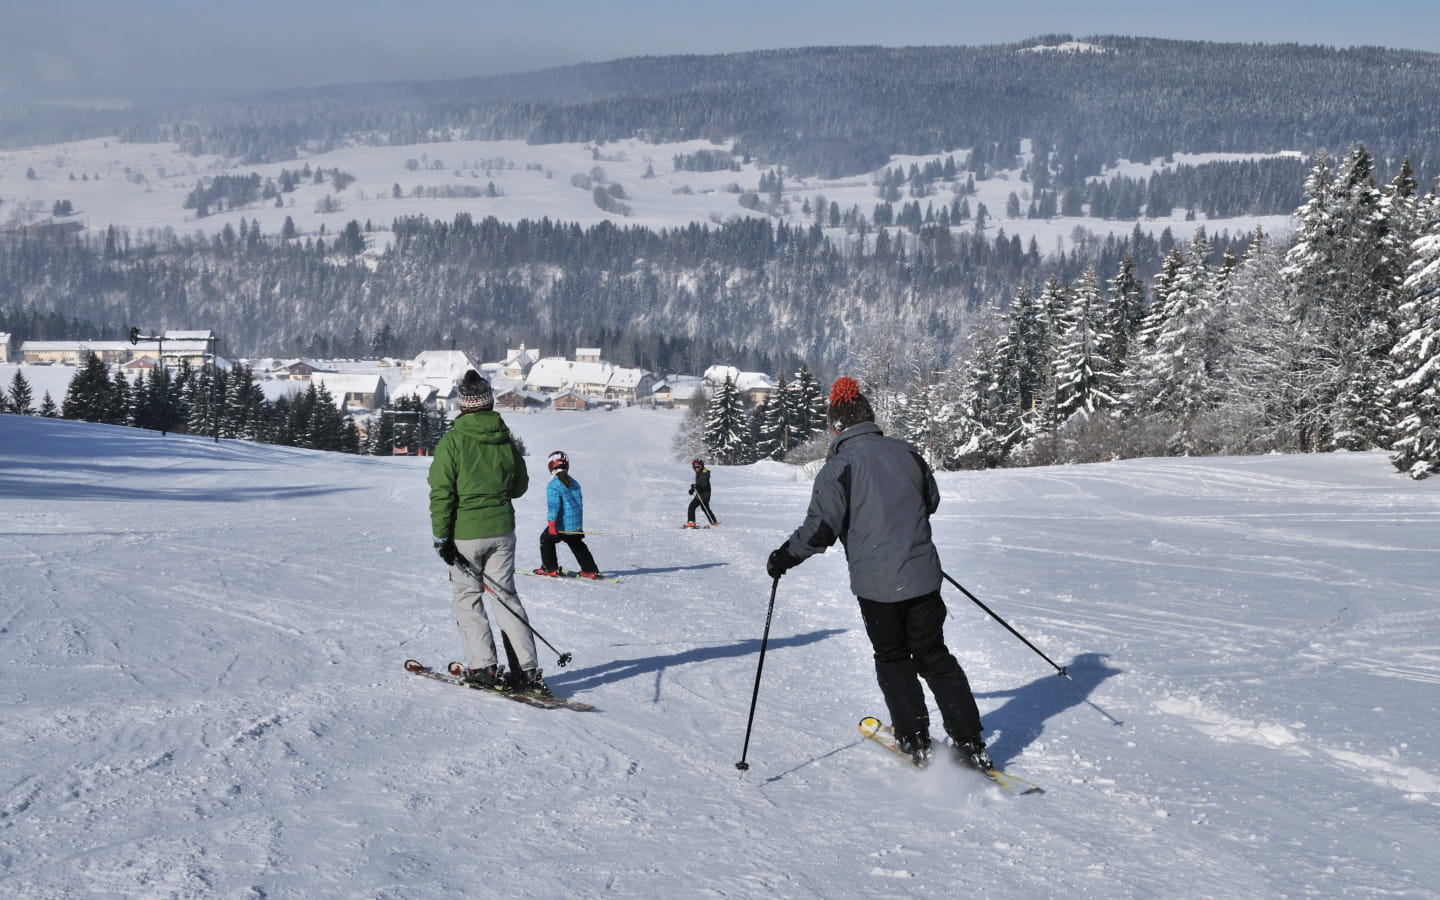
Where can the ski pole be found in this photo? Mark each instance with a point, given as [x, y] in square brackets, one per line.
[1059, 670]
[703, 505]
[742, 765]
[599, 533]
[464, 566]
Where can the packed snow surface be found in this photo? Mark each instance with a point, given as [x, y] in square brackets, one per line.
[202, 649]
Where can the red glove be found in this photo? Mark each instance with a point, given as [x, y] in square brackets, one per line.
[550, 527]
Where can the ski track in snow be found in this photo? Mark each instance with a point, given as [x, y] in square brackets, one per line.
[203, 647]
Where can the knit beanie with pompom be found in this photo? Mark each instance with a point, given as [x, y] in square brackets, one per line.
[475, 393]
[847, 405]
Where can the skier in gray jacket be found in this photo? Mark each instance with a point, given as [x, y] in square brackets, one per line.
[876, 495]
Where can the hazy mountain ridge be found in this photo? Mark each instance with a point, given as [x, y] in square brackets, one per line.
[836, 110]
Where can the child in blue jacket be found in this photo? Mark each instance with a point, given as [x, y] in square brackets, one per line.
[565, 515]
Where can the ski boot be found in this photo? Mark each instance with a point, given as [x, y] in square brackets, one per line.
[972, 753]
[532, 682]
[548, 573]
[487, 678]
[918, 746]
[593, 576]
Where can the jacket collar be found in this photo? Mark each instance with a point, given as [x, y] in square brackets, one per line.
[859, 429]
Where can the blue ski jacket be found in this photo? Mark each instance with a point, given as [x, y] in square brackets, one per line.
[565, 504]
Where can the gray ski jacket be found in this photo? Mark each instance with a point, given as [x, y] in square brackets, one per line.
[875, 495]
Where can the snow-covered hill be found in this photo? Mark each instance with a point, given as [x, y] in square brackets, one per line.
[204, 696]
[144, 186]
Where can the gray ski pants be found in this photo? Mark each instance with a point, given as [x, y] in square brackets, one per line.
[495, 558]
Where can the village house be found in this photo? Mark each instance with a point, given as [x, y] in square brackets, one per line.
[675, 390]
[352, 390]
[590, 376]
[4, 346]
[140, 364]
[301, 370]
[170, 349]
[755, 387]
[570, 400]
[629, 385]
[427, 395]
[520, 400]
[517, 363]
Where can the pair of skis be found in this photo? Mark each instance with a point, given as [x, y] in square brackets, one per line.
[454, 672]
[570, 573]
[876, 731]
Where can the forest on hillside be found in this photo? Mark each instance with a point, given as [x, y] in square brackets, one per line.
[844, 110]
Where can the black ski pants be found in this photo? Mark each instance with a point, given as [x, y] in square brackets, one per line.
[576, 543]
[909, 642]
[701, 502]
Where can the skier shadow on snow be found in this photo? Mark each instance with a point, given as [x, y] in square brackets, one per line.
[661, 570]
[1021, 720]
[620, 669]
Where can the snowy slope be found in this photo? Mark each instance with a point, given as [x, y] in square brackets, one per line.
[202, 647]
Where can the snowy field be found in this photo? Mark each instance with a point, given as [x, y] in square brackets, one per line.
[144, 186]
[202, 647]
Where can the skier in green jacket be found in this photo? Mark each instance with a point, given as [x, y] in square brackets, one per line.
[476, 472]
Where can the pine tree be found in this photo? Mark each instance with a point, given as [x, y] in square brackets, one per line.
[776, 433]
[201, 398]
[1345, 271]
[1175, 375]
[1052, 321]
[21, 396]
[986, 414]
[1124, 312]
[808, 412]
[1416, 393]
[727, 427]
[48, 409]
[1082, 370]
[90, 395]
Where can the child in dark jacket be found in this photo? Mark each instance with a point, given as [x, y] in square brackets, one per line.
[565, 521]
[699, 494]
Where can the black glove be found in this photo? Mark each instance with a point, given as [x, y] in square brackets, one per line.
[781, 561]
[447, 550]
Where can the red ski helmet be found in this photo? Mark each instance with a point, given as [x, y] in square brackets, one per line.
[558, 460]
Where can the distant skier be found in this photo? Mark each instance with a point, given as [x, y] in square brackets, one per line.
[876, 495]
[699, 494]
[476, 472]
[565, 515]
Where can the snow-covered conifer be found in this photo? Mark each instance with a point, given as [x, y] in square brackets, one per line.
[1416, 355]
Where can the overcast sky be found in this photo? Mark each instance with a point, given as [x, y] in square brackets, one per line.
[109, 47]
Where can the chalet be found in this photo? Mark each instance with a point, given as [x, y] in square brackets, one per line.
[520, 400]
[302, 370]
[556, 373]
[351, 390]
[755, 387]
[629, 385]
[4, 346]
[570, 400]
[675, 390]
[441, 365]
[140, 364]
